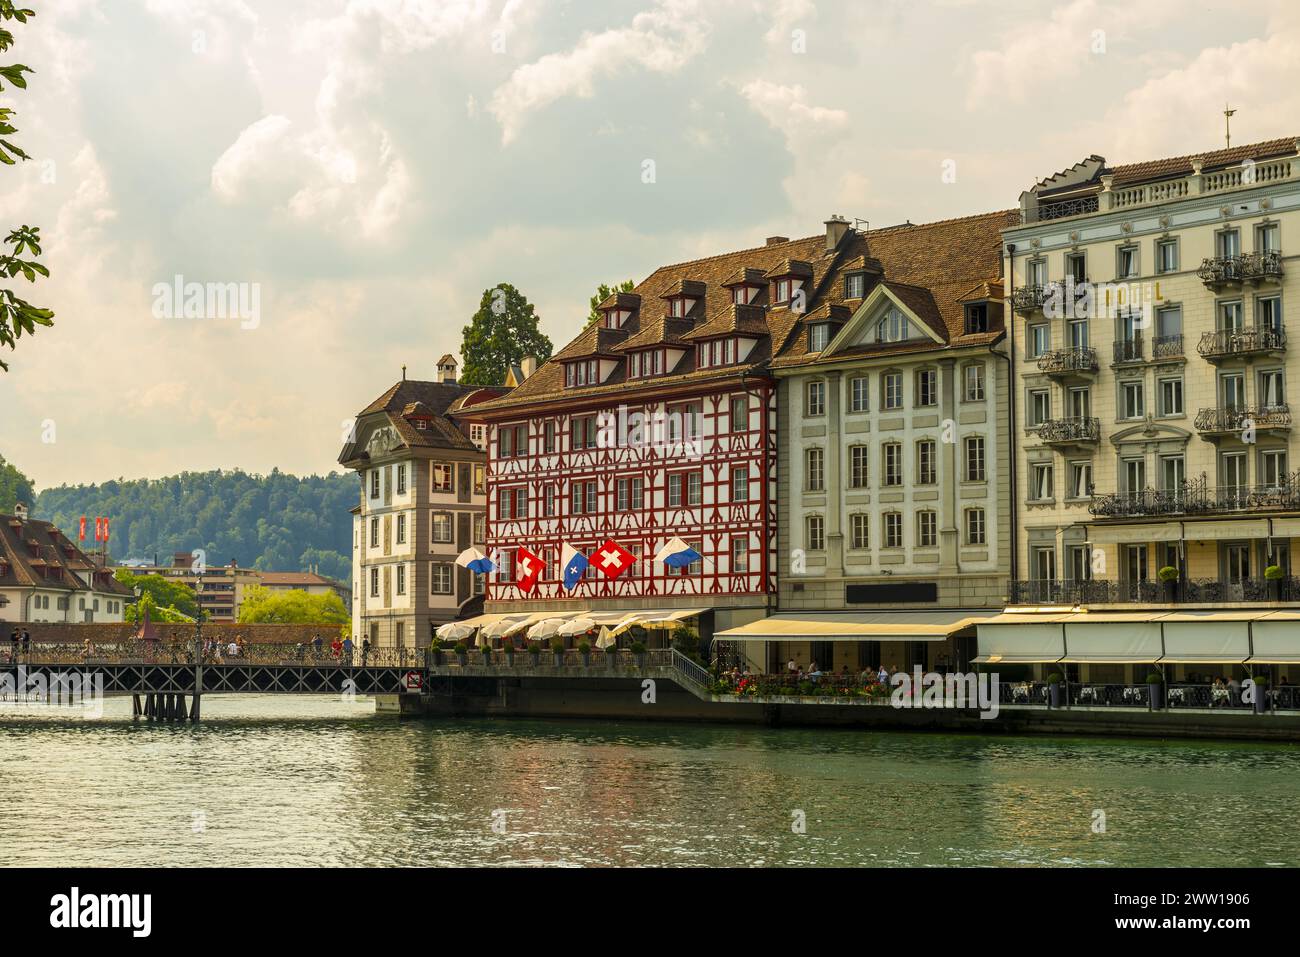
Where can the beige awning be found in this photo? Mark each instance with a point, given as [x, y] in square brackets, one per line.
[1207, 637]
[857, 626]
[1286, 528]
[478, 621]
[1134, 534]
[656, 618]
[1217, 531]
[1276, 638]
[1112, 638]
[1014, 639]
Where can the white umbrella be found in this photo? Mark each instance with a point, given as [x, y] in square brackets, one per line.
[545, 629]
[483, 640]
[606, 639]
[578, 626]
[454, 631]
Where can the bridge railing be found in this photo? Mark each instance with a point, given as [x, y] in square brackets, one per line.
[135, 651]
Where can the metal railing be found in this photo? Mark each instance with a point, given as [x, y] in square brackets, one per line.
[1183, 591]
[1129, 350]
[1245, 267]
[569, 658]
[1239, 420]
[691, 670]
[1167, 347]
[1197, 497]
[1028, 298]
[135, 651]
[1083, 359]
[1060, 210]
[1248, 340]
[1071, 429]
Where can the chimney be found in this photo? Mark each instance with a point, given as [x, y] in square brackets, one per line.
[528, 365]
[20, 511]
[447, 370]
[777, 240]
[836, 227]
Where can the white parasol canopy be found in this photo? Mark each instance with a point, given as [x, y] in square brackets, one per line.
[577, 626]
[454, 631]
[546, 628]
[606, 638]
[483, 640]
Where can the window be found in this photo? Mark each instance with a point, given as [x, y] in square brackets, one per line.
[1039, 340]
[1041, 487]
[440, 578]
[975, 459]
[480, 478]
[1042, 563]
[858, 470]
[1272, 395]
[582, 432]
[684, 488]
[1171, 396]
[401, 579]
[476, 433]
[1173, 472]
[815, 471]
[739, 553]
[858, 395]
[549, 499]
[927, 529]
[1076, 267]
[1266, 238]
[1268, 313]
[583, 497]
[479, 528]
[815, 398]
[893, 530]
[1132, 404]
[694, 568]
[977, 317]
[781, 291]
[892, 328]
[891, 390]
[401, 529]
[1227, 243]
[1080, 480]
[815, 534]
[891, 454]
[374, 533]
[819, 334]
[926, 471]
[374, 483]
[401, 479]
[855, 285]
[927, 387]
[974, 376]
[975, 526]
[740, 483]
[1037, 272]
[1167, 256]
[859, 526]
[442, 523]
[1272, 468]
[548, 436]
[442, 477]
[678, 306]
[630, 493]
[506, 441]
[578, 374]
[374, 582]
[1126, 262]
[740, 413]
[1040, 406]
[1133, 472]
[1230, 318]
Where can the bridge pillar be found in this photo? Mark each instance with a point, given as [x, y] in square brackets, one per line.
[136, 709]
[169, 705]
[194, 708]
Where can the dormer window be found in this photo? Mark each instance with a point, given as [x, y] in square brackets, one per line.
[716, 352]
[819, 336]
[744, 295]
[579, 374]
[977, 317]
[893, 327]
[855, 285]
[679, 306]
[647, 363]
[781, 290]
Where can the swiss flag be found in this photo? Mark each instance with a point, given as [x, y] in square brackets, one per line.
[528, 568]
[612, 558]
[81, 534]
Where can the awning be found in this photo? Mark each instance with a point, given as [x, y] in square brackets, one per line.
[1276, 639]
[1134, 534]
[1112, 638]
[857, 626]
[1286, 528]
[1207, 637]
[1217, 531]
[1012, 639]
[478, 621]
[656, 618]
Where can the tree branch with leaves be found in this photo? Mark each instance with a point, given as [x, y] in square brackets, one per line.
[17, 315]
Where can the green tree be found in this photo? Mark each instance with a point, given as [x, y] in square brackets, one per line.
[158, 614]
[603, 292]
[294, 607]
[502, 332]
[14, 487]
[162, 592]
[17, 315]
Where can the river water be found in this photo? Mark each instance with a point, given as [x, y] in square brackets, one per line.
[317, 781]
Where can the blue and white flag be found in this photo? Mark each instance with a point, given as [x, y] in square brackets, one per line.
[574, 564]
[677, 554]
[475, 561]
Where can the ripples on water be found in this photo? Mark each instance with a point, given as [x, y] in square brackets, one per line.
[315, 781]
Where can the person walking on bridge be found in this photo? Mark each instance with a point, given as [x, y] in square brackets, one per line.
[347, 651]
[365, 650]
[13, 646]
[27, 645]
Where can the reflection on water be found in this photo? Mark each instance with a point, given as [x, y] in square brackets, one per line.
[318, 781]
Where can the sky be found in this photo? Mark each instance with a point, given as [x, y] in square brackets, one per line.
[363, 170]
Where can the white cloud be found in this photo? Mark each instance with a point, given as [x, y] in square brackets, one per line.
[787, 109]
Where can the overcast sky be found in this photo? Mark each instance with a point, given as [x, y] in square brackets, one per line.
[374, 165]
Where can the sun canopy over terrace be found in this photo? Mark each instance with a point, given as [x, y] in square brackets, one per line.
[857, 626]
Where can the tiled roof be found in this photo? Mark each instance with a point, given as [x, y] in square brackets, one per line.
[33, 552]
[1215, 159]
[297, 579]
[406, 398]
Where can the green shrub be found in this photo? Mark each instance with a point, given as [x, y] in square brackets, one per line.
[1273, 573]
[1055, 678]
[611, 649]
[1155, 678]
[534, 647]
[462, 648]
[1261, 680]
[1168, 574]
[584, 647]
[638, 647]
[557, 643]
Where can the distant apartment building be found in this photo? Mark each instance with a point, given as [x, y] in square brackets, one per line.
[44, 576]
[220, 590]
[312, 583]
[1156, 461]
[423, 484]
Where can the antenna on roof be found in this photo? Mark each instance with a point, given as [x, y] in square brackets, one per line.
[860, 223]
[403, 371]
[1227, 126]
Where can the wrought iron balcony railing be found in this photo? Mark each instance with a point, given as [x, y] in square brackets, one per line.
[1184, 591]
[1070, 430]
[1060, 361]
[1223, 421]
[1246, 267]
[1167, 347]
[1197, 497]
[1129, 350]
[1025, 299]
[1249, 340]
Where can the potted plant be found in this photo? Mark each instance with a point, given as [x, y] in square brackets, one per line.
[1261, 693]
[1169, 575]
[638, 652]
[535, 653]
[611, 655]
[1054, 689]
[435, 652]
[1156, 689]
[557, 648]
[508, 647]
[462, 653]
[584, 649]
[1275, 575]
[486, 650]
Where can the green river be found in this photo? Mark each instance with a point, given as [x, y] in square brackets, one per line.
[317, 781]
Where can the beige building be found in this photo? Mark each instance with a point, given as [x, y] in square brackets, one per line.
[220, 590]
[1155, 459]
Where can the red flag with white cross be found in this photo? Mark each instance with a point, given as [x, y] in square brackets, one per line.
[528, 569]
[612, 558]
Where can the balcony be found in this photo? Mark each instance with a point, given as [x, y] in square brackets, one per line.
[1223, 272]
[1186, 591]
[1130, 350]
[1068, 363]
[1216, 423]
[1028, 299]
[1197, 497]
[1070, 432]
[1167, 347]
[1240, 343]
